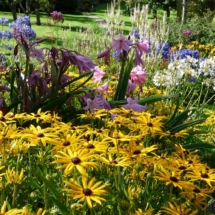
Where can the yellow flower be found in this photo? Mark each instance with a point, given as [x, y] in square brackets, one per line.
[87, 191]
[14, 177]
[141, 212]
[14, 211]
[114, 160]
[202, 175]
[75, 159]
[37, 135]
[175, 209]
[171, 178]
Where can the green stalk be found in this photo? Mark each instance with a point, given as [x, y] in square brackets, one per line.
[14, 195]
[116, 96]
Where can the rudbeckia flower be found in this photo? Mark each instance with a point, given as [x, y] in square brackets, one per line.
[75, 159]
[175, 209]
[87, 191]
[14, 211]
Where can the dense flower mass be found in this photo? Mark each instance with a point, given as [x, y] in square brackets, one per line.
[134, 136]
[22, 27]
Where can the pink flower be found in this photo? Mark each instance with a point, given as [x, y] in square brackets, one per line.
[143, 46]
[104, 87]
[131, 86]
[121, 44]
[138, 75]
[98, 75]
[132, 105]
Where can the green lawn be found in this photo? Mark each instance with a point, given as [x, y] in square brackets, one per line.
[73, 23]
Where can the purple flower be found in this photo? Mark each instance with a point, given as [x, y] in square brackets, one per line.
[99, 102]
[121, 44]
[132, 105]
[187, 33]
[106, 55]
[57, 16]
[37, 53]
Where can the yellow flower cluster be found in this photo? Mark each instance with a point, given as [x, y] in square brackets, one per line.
[118, 154]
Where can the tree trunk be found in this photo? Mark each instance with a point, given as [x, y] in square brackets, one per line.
[184, 11]
[37, 11]
[13, 10]
[179, 8]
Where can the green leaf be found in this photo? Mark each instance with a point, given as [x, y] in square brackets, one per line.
[179, 119]
[60, 206]
[35, 184]
[185, 125]
[194, 146]
[14, 105]
[50, 185]
[56, 102]
[155, 98]
[78, 78]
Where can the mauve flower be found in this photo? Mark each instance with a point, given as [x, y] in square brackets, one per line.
[143, 46]
[187, 33]
[132, 105]
[84, 63]
[121, 44]
[106, 55]
[91, 104]
[57, 16]
[104, 87]
[37, 53]
[138, 75]
[131, 86]
[98, 75]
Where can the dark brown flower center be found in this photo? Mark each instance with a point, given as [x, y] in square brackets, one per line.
[173, 178]
[99, 130]
[37, 115]
[40, 135]
[72, 128]
[190, 161]
[136, 152]
[150, 124]
[113, 162]
[152, 116]
[204, 175]
[196, 190]
[76, 160]
[87, 191]
[116, 137]
[172, 133]
[2, 118]
[182, 167]
[90, 146]
[66, 143]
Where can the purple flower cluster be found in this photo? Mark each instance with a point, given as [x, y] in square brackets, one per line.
[4, 21]
[165, 49]
[57, 16]
[22, 27]
[2, 61]
[187, 33]
[183, 53]
[178, 54]
[7, 35]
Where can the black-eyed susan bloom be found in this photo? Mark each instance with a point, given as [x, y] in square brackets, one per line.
[175, 209]
[87, 191]
[79, 159]
[171, 178]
